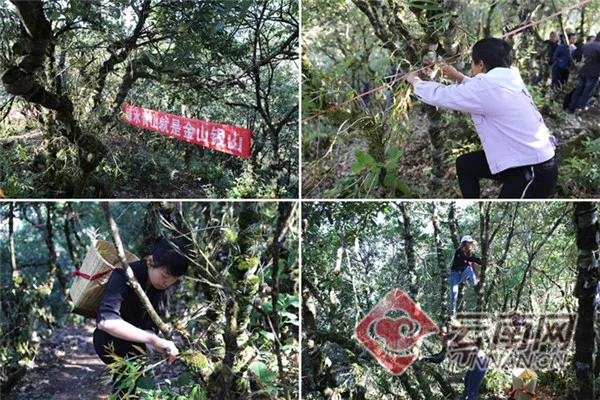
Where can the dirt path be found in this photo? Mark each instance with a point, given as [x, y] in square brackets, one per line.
[67, 368]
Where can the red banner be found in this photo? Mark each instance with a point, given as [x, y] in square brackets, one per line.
[226, 138]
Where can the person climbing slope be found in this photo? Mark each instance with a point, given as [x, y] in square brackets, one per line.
[518, 149]
[462, 269]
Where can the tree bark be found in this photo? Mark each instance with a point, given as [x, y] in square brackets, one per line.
[442, 268]
[484, 232]
[437, 142]
[70, 246]
[118, 57]
[53, 269]
[20, 80]
[488, 22]
[455, 237]
[285, 210]
[502, 260]
[407, 385]
[11, 243]
[409, 251]
[453, 224]
[588, 244]
[445, 387]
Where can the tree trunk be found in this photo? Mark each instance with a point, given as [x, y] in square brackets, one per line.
[453, 224]
[53, 269]
[488, 23]
[523, 282]
[436, 139]
[20, 80]
[455, 237]
[70, 246]
[588, 228]
[442, 268]
[407, 385]
[484, 231]
[424, 385]
[118, 57]
[445, 387]
[409, 251]
[532, 252]
[11, 243]
[502, 261]
[285, 210]
[582, 22]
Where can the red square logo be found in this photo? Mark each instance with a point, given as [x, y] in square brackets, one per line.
[391, 329]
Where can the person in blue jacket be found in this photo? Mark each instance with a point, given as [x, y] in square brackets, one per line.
[562, 59]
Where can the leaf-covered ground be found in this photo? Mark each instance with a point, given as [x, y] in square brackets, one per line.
[415, 165]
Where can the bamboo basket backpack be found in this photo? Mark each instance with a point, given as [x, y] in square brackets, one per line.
[91, 279]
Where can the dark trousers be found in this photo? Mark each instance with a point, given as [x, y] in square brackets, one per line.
[473, 381]
[560, 76]
[530, 182]
[582, 93]
[103, 343]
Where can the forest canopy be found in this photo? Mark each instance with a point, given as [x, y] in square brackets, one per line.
[234, 314]
[355, 253]
[365, 133]
[68, 67]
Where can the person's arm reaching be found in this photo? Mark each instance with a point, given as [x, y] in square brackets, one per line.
[464, 258]
[109, 318]
[124, 330]
[462, 97]
[474, 259]
[437, 358]
[453, 74]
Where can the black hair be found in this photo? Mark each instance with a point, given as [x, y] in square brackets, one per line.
[598, 36]
[171, 255]
[493, 52]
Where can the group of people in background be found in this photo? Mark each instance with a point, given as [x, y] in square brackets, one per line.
[561, 54]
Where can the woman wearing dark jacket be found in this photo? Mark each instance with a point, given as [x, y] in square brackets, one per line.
[462, 269]
[122, 322]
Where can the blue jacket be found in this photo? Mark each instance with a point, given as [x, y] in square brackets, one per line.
[562, 57]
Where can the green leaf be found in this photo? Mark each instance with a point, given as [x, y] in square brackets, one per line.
[263, 373]
[248, 262]
[289, 300]
[393, 157]
[230, 235]
[290, 318]
[364, 158]
[394, 153]
[390, 181]
[267, 307]
[184, 379]
[197, 393]
[403, 187]
[146, 382]
[356, 167]
[267, 335]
